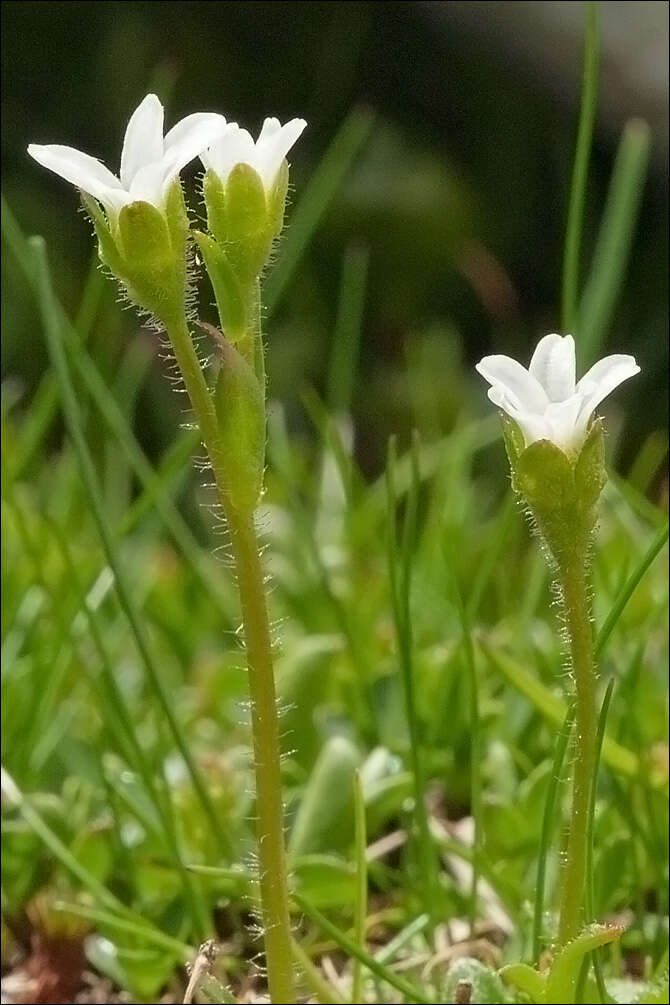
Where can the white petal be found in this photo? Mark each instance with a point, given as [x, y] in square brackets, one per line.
[553, 365]
[234, 147]
[272, 146]
[143, 142]
[516, 380]
[534, 427]
[189, 144]
[607, 374]
[562, 418]
[81, 170]
[603, 377]
[211, 122]
[185, 141]
[148, 185]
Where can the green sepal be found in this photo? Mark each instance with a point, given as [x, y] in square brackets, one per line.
[176, 216]
[590, 473]
[277, 200]
[514, 441]
[544, 476]
[145, 238]
[229, 300]
[561, 490]
[145, 249]
[240, 410]
[154, 270]
[248, 228]
[107, 250]
[215, 201]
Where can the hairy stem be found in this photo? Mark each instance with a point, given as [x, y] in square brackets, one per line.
[270, 831]
[269, 807]
[577, 609]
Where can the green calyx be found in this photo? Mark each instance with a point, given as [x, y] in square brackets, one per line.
[239, 401]
[145, 248]
[562, 491]
[243, 220]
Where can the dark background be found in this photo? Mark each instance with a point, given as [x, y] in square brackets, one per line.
[460, 193]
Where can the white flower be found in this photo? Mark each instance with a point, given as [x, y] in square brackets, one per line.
[265, 156]
[544, 400]
[149, 161]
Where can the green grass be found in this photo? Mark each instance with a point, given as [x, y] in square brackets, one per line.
[97, 784]
[418, 665]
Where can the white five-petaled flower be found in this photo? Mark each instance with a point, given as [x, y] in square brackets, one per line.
[545, 400]
[265, 156]
[149, 161]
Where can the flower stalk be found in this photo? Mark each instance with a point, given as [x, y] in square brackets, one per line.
[576, 605]
[557, 458]
[273, 881]
[143, 232]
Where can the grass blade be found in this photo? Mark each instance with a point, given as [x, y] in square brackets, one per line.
[115, 701]
[346, 341]
[589, 889]
[14, 796]
[554, 709]
[400, 577]
[316, 199]
[548, 821]
[475, 753]
[154, 489]
[325, 992]
[629, 588]
[614, 240]
[580, 170]
[361, 909]
[71, 413]
[413, 993]
[135, 926]
[45, 400]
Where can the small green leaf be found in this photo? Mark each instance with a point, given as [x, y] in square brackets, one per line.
[240, 409]
[526, 979]
[229, 299]
[564, 972]
[324, 821]
[326, 880]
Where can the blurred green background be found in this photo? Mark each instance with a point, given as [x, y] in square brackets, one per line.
[452, 127]
[459, 193]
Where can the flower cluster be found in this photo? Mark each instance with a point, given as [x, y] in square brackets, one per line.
[143, 230]
[150, 161]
